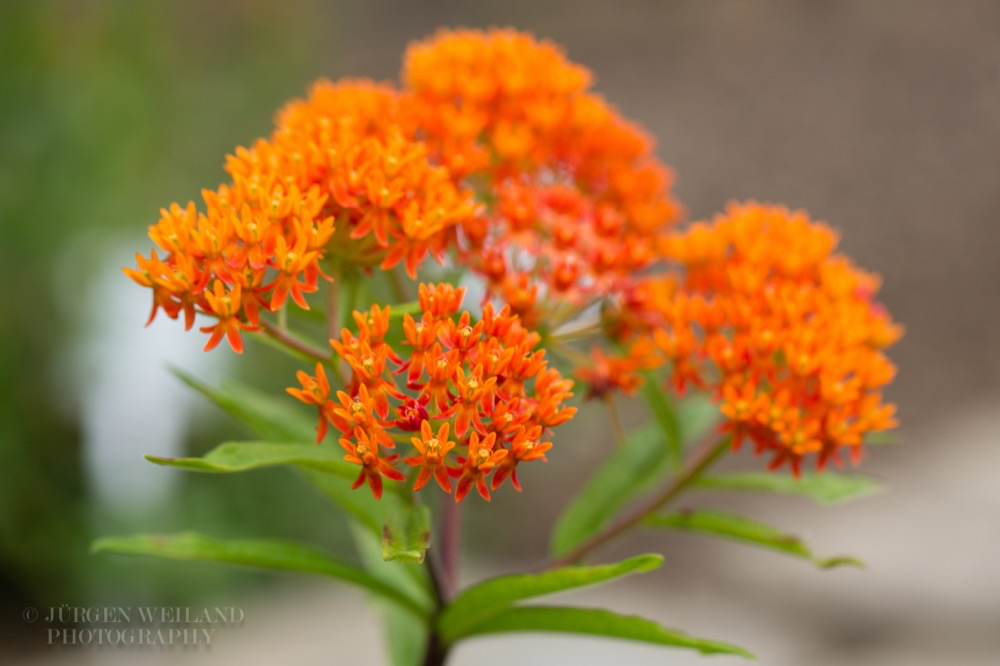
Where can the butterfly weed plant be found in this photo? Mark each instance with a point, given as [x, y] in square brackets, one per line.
[495, 164]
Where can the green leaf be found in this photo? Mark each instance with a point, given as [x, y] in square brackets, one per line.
[629, 471]
[267, 554]
[477, 604]
[698, 415]
[665, 413]
[824, 488]
[406, 636]
[243, 456]
[740, 528]
[406, 534]
[358, 503]
[597, 622]
[268, 417]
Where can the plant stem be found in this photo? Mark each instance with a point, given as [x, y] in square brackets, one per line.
[333, 310]
[293, 343]
[617, 429]
[451, 531]
[704, 459]
[436, 652]
[571, 354]
[396, 285]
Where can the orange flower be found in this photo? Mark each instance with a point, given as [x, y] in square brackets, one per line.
[364, 452]
[484, 382]
[477, 466]
[440, 300]
[525, 446]
[315, 391]
[431, 460]
[578, 191]
[225, 304]
[347, 153]
[785, 333]
[611, 373]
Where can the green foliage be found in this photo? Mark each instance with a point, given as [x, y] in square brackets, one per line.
[244, 456]
[665, 414]
[824, 488]
[276, 419]
[406, 635]
[479, 603]
[647, 457]
[266, 554]
[406, 534]
[747, 530]
[628, 472]
[597, 622]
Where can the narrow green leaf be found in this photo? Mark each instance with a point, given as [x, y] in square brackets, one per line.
[267, 554]
[665, 414]
[826, 488]
[243, 456]
[698, 415]
[406, 534]
[629, 471]
[480, 602]
[648, 456]
[740, 528]
[406, 636]
[358, 503]
[597, 622]
[276, 419]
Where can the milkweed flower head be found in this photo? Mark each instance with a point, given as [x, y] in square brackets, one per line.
[579, 199]
[495, 154]
[341, 179]
[785, 333]
[474, 399]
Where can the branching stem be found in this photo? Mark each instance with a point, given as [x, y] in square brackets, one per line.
[706, 456]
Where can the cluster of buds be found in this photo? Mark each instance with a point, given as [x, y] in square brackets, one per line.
[482, 383]
[784, 333]
[580, 199]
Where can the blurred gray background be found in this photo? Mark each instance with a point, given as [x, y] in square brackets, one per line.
[881, 118]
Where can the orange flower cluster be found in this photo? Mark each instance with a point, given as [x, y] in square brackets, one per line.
[580, 200]
[786, 334]
[482, 383]
[341, 179]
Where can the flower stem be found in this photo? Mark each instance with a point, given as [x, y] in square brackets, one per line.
[618, 430]
[451, 537]
[397, 286]
[704, 459]
[285, 338]
[333, 310]
[435, 652]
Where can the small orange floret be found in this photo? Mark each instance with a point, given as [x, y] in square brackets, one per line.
[477, 465]
[315, 391]
[433, 450]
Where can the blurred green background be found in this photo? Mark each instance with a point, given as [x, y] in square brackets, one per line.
[109, 110]
[881, 118]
